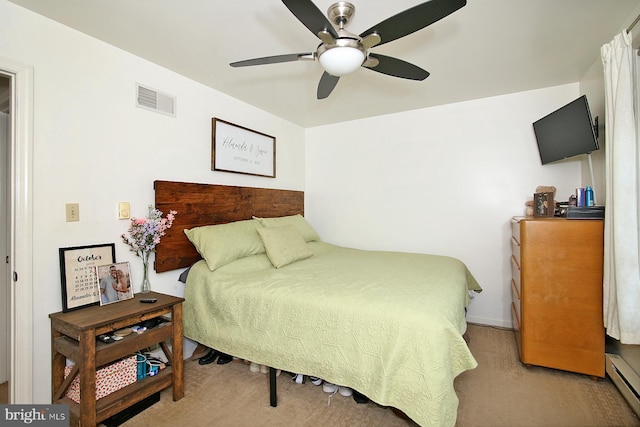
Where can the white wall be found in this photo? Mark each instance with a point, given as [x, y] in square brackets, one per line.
[443, 180]
[92, 146]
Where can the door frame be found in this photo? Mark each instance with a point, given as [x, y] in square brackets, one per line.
[20, 164]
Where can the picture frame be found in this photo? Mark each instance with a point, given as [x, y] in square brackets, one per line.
[238, 149]
[114, 288]
[78, 274]
[543, 204]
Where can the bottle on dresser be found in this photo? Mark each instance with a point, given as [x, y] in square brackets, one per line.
[588, 196]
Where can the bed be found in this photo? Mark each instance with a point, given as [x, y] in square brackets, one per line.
[264, 287]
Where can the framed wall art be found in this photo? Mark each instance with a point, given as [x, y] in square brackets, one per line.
[114, 282]
[78, 273]
[238, 149]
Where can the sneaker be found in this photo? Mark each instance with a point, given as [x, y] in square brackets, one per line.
[332, 389]
[315, 380]
[345, 391]
[359, 397]
[329, 388]
[254, 367]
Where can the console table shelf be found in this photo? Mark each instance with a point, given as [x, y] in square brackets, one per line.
[73, 336]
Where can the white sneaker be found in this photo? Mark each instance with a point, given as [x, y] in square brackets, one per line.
[329, 388]
[315, 380]
[254, 367]
[345, 391]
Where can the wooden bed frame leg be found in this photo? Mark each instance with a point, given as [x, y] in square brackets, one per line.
[273, 397]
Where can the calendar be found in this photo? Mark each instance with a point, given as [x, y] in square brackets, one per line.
[78, 271]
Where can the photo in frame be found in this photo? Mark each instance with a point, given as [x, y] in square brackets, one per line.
[241, 150]
[78, 273]
[543, 204]
[114, 282]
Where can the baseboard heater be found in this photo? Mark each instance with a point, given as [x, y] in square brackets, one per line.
[625, 379]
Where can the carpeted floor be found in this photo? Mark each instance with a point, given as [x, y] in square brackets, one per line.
[499, 392]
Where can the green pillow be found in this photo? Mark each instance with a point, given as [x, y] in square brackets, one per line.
[297, 221]
[223, 243]
[284, 245]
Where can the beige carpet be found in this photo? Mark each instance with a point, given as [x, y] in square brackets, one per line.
[500, 392]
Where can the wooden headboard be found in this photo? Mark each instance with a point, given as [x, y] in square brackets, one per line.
[207, 204]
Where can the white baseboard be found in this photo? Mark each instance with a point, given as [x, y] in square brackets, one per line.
[489, 322]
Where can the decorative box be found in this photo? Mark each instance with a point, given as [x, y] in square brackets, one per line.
[109, 378]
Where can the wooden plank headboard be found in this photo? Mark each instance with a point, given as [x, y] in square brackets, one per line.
[207, 204]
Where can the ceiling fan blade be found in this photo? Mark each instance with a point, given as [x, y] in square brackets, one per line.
[274, 59]
[413, 19]
[312, 18]
[397, 68]
[326, 85]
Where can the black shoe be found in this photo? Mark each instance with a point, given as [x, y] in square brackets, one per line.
[359, 397]
[209, 357]
[224, 359]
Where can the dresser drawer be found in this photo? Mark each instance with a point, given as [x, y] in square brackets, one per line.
[515, 300]
[515, 250]
[515, 229]
[515, 273]
[517, 328]
[516, 317]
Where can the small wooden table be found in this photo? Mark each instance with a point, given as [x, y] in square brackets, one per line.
[73, 336]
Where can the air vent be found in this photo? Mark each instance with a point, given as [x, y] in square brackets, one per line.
[151, 99]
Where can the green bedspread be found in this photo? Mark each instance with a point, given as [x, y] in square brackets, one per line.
[387, 324]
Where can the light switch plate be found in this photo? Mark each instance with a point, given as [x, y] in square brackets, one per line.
[72, 212]
[124, 211]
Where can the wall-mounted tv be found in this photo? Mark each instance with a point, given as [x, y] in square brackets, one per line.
[566, 132]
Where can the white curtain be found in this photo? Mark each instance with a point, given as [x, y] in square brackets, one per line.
[622, 214]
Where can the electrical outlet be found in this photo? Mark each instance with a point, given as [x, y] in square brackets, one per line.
[124, 211]
[73, 212]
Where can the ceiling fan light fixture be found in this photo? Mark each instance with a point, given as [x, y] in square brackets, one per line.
[341, 60]
[342, 52]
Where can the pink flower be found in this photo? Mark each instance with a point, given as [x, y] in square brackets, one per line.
[145, 233]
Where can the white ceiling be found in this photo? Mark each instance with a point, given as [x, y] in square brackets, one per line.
[487, 48]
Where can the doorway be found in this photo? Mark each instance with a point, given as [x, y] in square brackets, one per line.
[16, 217]
[5, 281]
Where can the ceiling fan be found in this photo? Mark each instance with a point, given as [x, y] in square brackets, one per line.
[342, 52]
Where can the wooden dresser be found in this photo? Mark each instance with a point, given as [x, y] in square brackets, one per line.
[556, 292]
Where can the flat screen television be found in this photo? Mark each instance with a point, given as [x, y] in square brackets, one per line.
[566, 132]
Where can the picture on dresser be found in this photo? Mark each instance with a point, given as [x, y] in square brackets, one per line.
[78, 274]
[113, 280]
[543, 204]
